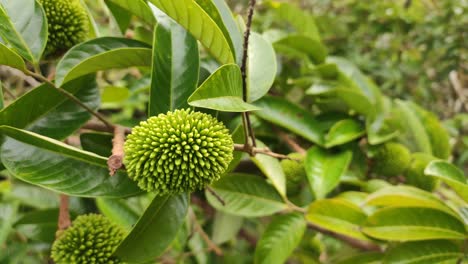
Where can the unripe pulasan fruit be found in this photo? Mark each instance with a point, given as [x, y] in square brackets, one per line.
[67, 23]
[415, 174]
[181, 151]
[90, 239]
[294, 171]
[391, 159]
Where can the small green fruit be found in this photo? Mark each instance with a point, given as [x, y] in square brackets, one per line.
[391, 159]
[181, 151]
[294, 171]
[67, 23]
[415, 173]
[90, 239]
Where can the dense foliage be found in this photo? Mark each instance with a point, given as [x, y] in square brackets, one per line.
[159, 137]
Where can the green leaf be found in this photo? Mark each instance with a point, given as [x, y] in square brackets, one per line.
[2, 103]
[406, 224]
[60, 167]
[138, 8]
[122, 17]
[324, 169]
[281, 112]
[175, 67]
[449, 174]
[31, 196]
[338, 216]
[114, 94]
[415, 134]
[301, 20]
[272, 169]
[101, 54]
[225, 227]
[155, 230]
[421, 252]
[190, 15]
[245, 195]
[53, 114]
[363, 258]
[222, 91]
[68, 117]
[39, 225]
[280, 238]
[300, 44]
[343, 131]
[407, 196]
[9, 58]
[8, 214]
[117, 211]
[24, 27]
[261, 67]
[99, 143]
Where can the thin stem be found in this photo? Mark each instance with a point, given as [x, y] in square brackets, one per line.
[250, 129]
[216, 195]
[254, 150]
[71, 97]
[290, 142]
[211, 245]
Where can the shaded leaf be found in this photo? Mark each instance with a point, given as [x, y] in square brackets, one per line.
[101, 54]
[300, 44]
[155, 230]
[138, 8]
[99, 143]
[60, 167]
[225, 227]
[245, 195]
[324, 169]
[175, 66]
[117, 211]
[421, 252]
[9, 58]
[301, 20]
[364, 258]
[283, 113]
[280, 238]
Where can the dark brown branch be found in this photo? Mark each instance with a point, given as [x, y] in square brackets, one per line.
[115, 161]
[71, 97]
[291, 143]
[368, 246]
[254, 151]
[64, 215]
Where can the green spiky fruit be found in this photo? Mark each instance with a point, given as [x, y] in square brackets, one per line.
[181, 151]
[294, 172]
[67, 23]
[391, 159]
[90, 239]
[415, 174]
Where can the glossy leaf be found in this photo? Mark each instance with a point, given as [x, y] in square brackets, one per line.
[324, 169]
[10, 58]
[421, 252]
[225, 227]
[122, 16]
[407, 196]
[24, 27]
[222, 91]
[117, 211]
[52, 115]
[60, 167]
[280, 238]
[406, 224]
[175, 66]
[155, 230]
[338, 216]
[343, 132]
[245, 195]
[101, 54]
[283, 113]
[138, 8]
[190, 15]
[449, 174]
[300, 44]
[262, 67]
[271, 168]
